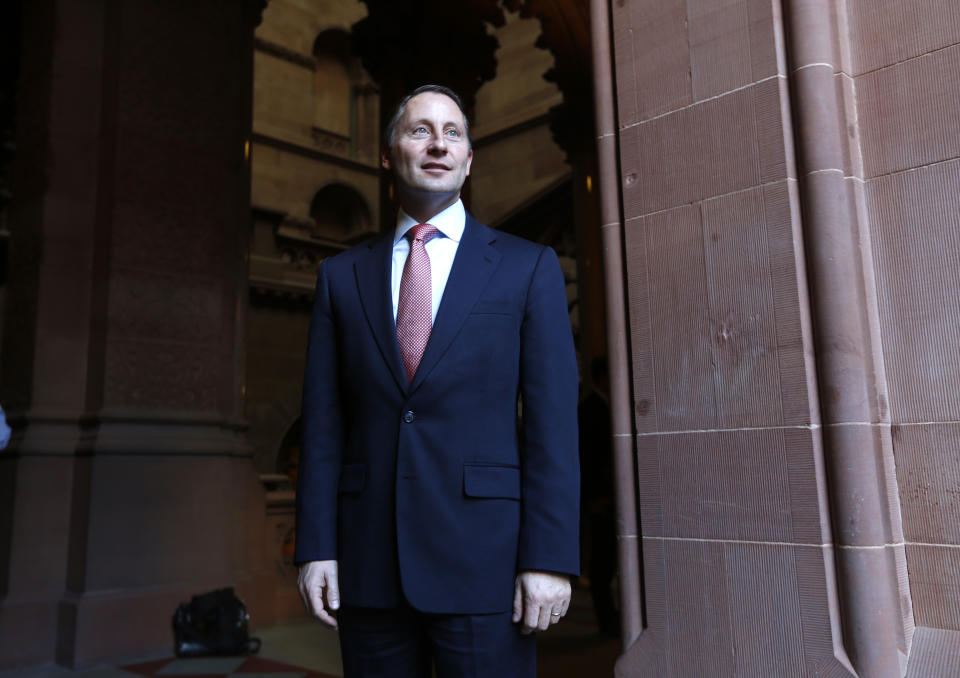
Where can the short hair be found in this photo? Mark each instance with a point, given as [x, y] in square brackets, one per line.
[390, 133]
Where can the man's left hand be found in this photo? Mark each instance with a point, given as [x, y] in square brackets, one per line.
[540, 599]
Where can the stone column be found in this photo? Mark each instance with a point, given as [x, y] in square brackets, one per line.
[738, 562]
[863, 494]
[130, 485]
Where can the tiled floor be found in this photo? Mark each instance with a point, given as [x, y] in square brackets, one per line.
[306, 649]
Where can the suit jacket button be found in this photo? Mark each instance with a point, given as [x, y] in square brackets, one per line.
[409, 416]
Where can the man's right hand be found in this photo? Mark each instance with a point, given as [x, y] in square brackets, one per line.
[320, 589]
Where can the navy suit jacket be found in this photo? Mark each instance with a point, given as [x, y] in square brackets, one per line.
[431, 491]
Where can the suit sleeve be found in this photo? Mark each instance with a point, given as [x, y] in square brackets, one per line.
[318, 473]
[549, 530]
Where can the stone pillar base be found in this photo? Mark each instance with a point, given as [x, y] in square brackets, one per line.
[28, 633]
[135, 625]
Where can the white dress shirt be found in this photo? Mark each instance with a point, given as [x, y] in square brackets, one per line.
[441, 250]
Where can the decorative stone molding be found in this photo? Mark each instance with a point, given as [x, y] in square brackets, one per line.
[371, 168]
[566, 35]
[331, 142]
[382, 41]
[301, 246]
[285, 53]
[289, 271]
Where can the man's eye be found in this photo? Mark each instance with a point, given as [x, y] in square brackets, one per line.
[453, 133]
[420, 130]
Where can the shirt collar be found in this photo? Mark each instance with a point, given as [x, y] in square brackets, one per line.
[450, 222]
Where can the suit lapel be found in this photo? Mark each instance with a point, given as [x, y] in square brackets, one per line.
[473, 265]
[373, 283]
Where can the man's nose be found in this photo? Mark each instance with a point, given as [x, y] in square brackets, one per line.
[438, 144]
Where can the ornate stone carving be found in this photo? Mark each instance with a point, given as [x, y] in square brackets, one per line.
[289, 267]
[331, 142]
[302, 245]
[566, 34]
[398, 43]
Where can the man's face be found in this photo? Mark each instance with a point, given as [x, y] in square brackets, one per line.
[430, 151]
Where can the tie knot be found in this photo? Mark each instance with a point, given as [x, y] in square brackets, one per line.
[422, 232]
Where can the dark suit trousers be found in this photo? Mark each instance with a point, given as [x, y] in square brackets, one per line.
[401, 642]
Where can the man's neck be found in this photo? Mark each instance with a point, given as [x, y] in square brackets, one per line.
[425, 206]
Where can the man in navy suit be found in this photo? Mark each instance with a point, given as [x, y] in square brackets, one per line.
[436, 528]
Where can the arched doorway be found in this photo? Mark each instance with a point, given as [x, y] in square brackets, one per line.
[339, 212]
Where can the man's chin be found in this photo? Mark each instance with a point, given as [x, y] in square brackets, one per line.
[435, 189]
[443, 184]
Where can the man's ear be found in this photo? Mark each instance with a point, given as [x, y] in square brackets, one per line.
[385, 158]
[469, 161]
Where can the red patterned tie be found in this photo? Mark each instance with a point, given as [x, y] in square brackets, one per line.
[414, 310]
